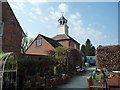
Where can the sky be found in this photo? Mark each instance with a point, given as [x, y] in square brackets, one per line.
[97, 21]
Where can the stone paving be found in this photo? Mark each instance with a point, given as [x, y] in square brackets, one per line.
[79, 81]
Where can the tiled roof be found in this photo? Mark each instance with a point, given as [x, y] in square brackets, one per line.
[54, 43]
[62, 37]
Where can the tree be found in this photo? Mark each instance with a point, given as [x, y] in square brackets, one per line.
[67, 58]
[92, 53]
[88, 49]
[60, 53]
[26, 42]
[25, 70]
[83, 48]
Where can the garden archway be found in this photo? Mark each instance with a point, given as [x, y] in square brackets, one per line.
[8, 71]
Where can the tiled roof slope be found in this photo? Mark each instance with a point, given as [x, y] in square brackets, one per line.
[54, 43]
[62, 37]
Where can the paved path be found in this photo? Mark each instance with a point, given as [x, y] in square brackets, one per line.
[79, 81]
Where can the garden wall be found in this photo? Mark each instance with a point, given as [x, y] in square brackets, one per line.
[108, 57]
[37, 57]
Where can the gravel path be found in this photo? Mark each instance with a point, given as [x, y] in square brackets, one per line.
[79, 81]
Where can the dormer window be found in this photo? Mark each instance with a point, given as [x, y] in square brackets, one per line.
[39, 42]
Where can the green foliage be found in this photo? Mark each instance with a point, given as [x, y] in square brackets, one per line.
[83, 49]
[74, 58]
[67, 58]
[92, 51]
[60, 53]
[11, 63]
[25, 44]
[88, 49]
[50, 59]
[1, 53]
[28, 66]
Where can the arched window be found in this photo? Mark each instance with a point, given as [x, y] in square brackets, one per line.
[61, 22]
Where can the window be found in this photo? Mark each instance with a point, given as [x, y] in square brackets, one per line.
[75, 46]
[39, 42]
[1, 28]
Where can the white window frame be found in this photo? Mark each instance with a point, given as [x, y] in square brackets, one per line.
[39, 42]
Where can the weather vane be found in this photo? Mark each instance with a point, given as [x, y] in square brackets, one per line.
[62, 13]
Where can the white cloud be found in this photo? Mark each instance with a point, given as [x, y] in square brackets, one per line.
[54, 14]
[81, 33]
[16, 0]
[36, 2]
[31, 35]
[63, 7]
[77, 29]
[46, 18]
[17, 5]
[30, 1]
[32, 15]
[75, 16]
[36, 10]
[90, 25]
[39, 1]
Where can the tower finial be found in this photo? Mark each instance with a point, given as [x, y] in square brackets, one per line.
[62, 13]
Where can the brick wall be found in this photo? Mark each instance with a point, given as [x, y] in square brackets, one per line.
[12, 33]
[0, 25]
[108, 57]
[72, 45]
[64, 43]
[0, 10]
[69, 43]
[0, 43]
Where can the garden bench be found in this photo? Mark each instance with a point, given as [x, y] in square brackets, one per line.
[92, 85]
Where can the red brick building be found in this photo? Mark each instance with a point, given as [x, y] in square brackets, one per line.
[67, 41]
[42, 44]
[11, 33]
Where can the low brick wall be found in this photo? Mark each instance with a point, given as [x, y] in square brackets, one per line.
[108, 57]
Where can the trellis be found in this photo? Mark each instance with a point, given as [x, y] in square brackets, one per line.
[8, 71]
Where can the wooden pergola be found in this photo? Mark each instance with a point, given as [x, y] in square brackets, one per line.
[8, 71]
